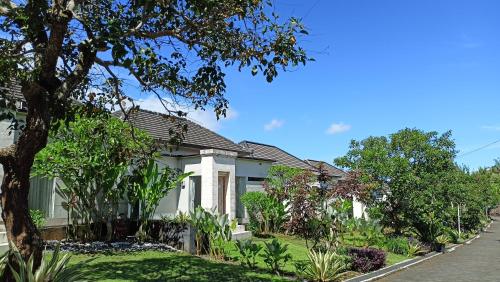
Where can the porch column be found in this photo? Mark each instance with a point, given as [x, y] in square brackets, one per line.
[213, 163]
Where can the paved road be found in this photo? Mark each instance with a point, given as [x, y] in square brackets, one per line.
[479, 261]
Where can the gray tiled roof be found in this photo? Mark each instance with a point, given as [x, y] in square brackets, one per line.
[158, 126]
[332, 170]
[12, 97]
[14, 91]
[264, 151]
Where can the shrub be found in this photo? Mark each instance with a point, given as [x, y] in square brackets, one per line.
[372, 231]
[397, 245]
[248, 252]
[215, 228]
[265, 213]
[325, 266]
[38, 218]
[453, 235]
[275, 255]
[367, 259]
[172, 230]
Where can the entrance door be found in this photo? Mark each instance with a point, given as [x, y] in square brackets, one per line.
[222, 182]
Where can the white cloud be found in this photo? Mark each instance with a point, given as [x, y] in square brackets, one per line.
[273, 124]
[205, 118]
[336, 128]
[491, 127]
[468, 42]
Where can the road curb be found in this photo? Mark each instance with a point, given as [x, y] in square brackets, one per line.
[375, 275]
[386, 271]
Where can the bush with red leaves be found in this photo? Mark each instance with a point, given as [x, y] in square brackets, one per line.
[366, 259]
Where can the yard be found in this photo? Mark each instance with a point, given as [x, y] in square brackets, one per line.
[163, 266]
[154, 265]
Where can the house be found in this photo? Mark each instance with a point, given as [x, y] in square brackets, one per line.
[222, 170]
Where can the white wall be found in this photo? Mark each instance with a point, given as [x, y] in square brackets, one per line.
[358, 209]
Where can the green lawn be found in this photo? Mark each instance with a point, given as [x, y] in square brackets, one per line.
[164, 266]
[298, 249]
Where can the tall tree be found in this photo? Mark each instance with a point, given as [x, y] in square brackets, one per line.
[408, 168]
[61, 50]
[92, 156]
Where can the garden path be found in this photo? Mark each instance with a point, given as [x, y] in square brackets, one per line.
[478, 261]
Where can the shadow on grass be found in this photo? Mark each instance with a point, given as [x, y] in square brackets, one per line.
[171, 268]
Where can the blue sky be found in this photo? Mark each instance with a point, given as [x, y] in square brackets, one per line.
[380, 66]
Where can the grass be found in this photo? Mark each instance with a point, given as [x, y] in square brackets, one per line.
[164, 266]
[298, 249]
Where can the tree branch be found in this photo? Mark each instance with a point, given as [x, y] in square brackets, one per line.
[86, 60]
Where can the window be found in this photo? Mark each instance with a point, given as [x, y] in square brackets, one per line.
[256, 179]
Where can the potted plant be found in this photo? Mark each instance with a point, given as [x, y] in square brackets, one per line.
[440, 242]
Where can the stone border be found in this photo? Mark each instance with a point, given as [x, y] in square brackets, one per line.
[383, 272]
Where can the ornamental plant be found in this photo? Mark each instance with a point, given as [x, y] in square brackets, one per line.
[266, 214]
[248, 252]
[324, 266]
[276, 255]
[54, 269]
[367, 259]
[148, 185]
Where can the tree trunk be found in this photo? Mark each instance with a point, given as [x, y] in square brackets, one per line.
[20, 228]
[17, 161]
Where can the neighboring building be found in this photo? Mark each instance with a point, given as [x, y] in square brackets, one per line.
[331, 170]
[280, 156]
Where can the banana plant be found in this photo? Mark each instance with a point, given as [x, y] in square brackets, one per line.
[149, 185]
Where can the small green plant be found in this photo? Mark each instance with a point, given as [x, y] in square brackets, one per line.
[442, 239]
[414, 249]
[215, 228]
[38, 218]
[198, 219]
[53, 270]
[325, 266]
[300, 268]
[275, 255]
[248, 251]
[372, 231]
[454, 236]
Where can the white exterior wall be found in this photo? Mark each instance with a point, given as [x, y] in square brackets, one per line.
[252, 168]
[8, 137]
[358, 209]
[169, 204]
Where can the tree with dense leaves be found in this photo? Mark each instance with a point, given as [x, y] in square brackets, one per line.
[407, 168]
[92, 157]
[349, 187]
[62, 50]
